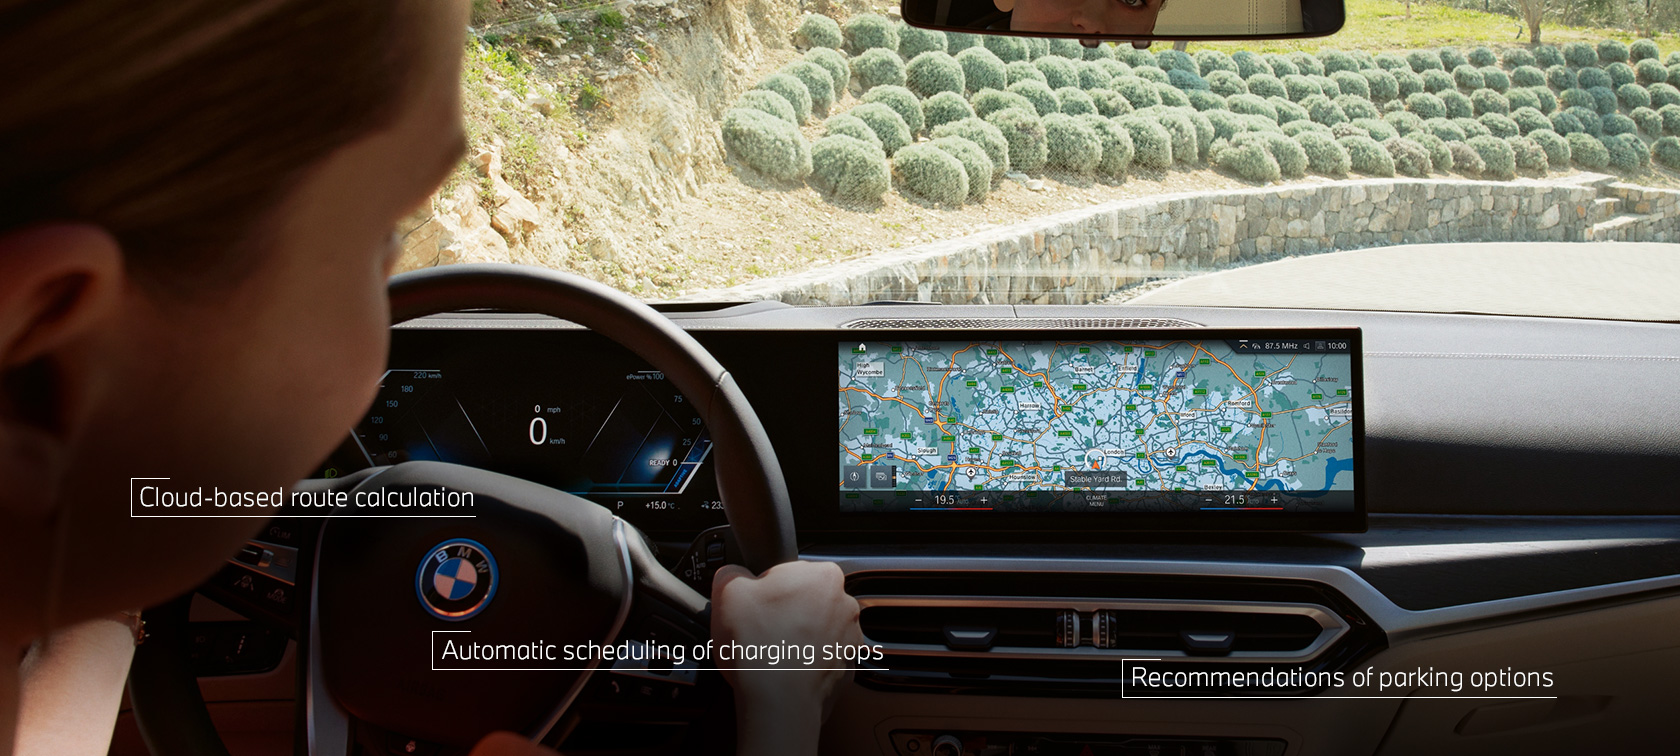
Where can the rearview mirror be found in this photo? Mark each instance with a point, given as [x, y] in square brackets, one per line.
[1132, 20]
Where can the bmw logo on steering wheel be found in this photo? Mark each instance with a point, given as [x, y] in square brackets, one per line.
[456, 580]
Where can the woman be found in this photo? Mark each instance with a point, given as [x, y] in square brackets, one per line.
[196, 209]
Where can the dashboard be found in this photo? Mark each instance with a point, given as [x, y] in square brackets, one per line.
[940, 431]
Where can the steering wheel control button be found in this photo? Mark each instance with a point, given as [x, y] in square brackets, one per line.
[456, 580]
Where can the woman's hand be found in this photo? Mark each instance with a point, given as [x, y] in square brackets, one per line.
[780, 710]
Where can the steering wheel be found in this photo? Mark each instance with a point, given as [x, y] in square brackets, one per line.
[531, 563]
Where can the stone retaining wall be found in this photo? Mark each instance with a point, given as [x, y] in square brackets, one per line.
[1085, 255]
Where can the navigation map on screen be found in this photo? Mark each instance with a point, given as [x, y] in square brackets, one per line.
[1146, 426]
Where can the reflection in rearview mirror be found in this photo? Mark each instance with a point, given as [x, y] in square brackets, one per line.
[1132, 19]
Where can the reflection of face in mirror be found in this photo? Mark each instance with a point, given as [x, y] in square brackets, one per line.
[1122, 18]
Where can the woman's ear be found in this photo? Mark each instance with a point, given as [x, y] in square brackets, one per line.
[59, 288]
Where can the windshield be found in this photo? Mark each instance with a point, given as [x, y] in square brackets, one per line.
[1426, 158]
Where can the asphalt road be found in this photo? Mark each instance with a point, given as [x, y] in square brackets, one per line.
[1608, 280]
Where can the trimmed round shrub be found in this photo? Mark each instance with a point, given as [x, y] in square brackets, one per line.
[1438, 82]
[1392, 62]
[1354, 106]
[1297, 87]
[1426, 106]
[1280, 64]
[1649, 71]
[1409, 157]
[1604, 98]
[1498, 159]
[1138, 92]
[1066, 48]
[1037, 47]
[1325, 155]
[1452, 57]
[1347, 129]
[1408, 82]
[1070, 145]
[903, 102]
[1020, 70]
[989, 101]
[1327, 85]
[1248, 159]
[1670, 115]
[1440, 156]
[933, 72]
[1208, 61]
[1393, 106]
[818, 31]
[943, 108]
[1404, 122]
[1520, 98]
[1577, 98]
[1546, 56]
[1074, 101]
[1093, 76]
[1530, 158]
[1204, 131]
[1587, 118]
[1169, 59]
[1666, 152]
[1109, 102]
[931, 173]
[1588, 152]
[818, 83]
[1663, 95]
[1367, 157]
[1643, 49]
[1633, 96]
[1488, 101]
[1465, 160]
[1204, 100]
[1186, 80]
[958, 41]
[1481, 56]
[1151, 74]
[1621, 73]
[1529, 119]
[1266, 85]
[1297, 127]
[1306, 63]
[1288, 111]
[1624, 157]
[846, 124]
[1380, 85]
[767, 144]
[877, 67]
[1250, 65]
[1375, 128]
[1445, 129]
[1171, 96]
[1335, 60]
[1323, 110]
[1458, 105]
[1008, 49]
[1547, 101]
[1424, 60]
[1561, 78]
[1516, 57]
[1291, 157]
[1226, 83]
[1039, 94]
[1616, 123]
[1556, 147]
[1151, 143]
[1104, 51]
[834, 62]
[1468, 77]
[1471, 127]
[887, 124]
[869, 31]
[1529, 76]
[1252, 105]
[1612, 51]
[977, 166]
[793, 90]
[1058, 72]
[1496, 80]
[1186, 146]
[769, 102]
[1350, 82]
[913, 41]
[1580, 55]
[1116, 146]
[1133, 57]
[1649, 123]
[987, 136]
[1641, 153]
[849, 169]
[1024, 132]
[1587, 78]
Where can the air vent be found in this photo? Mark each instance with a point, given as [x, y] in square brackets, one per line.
[1020, 323]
